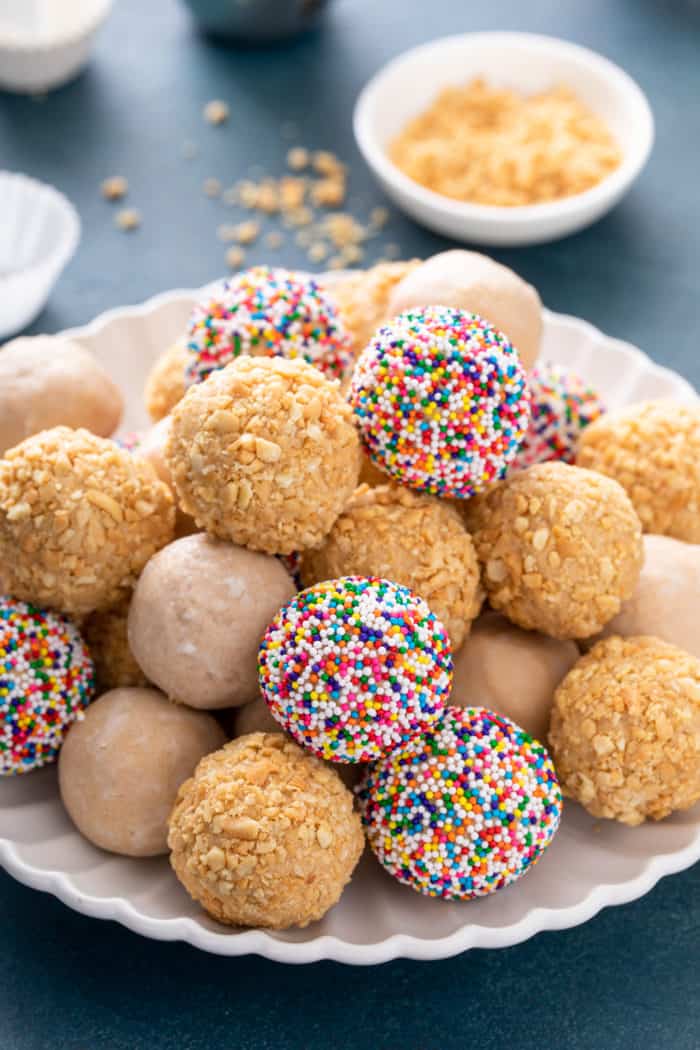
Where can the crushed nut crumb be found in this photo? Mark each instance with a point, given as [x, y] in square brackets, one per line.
[247, 232]
[317, 251]
[298, 158]
[128, 219]
[235, 257]
[216, 112]
[212, 187]
[114, 188]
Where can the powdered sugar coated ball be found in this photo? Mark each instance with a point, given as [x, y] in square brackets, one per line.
[441, 401]
[353, 667]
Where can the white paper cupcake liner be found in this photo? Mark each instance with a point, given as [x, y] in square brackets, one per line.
[39, 233]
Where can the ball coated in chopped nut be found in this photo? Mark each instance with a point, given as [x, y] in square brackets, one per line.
[264, 834]
[120, 768]
[411, 539]
[264, 453]
[653, 450]
[79, 519]
[165, 385]
[561, 548]
[624, 731]
[115, 664]
[363, 298]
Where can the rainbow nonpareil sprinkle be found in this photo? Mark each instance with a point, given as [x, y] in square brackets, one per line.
[353, 667]
[129, 442]
[441, 401]
[463, 809]
[563, 405]
[267, 312]
[46, 680]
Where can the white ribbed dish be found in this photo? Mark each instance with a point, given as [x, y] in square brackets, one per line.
[589, 866]
[41, 54]
[39, 232]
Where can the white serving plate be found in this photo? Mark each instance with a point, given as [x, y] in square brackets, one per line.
[523, 62]
[590, 865]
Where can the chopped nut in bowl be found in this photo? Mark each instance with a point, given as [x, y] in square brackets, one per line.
[498, 189]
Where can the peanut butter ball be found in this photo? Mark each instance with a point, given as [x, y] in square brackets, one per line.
[152, 447]
[79, 518]
[410, 539]
[666, 600]
[197, 618]
[106, 635]
[561, 548]
[475, 283]
[165, 385]
[255, 717]
[511, 671]
[46, 381]
[371, 475]
[264, 834]
[625, 730]
[652, 449]
[363, 298]
[120, 768]
[264, 453]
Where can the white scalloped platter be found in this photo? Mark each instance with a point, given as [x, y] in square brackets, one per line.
[589, 866]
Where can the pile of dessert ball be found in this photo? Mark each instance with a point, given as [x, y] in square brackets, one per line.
[372, 551]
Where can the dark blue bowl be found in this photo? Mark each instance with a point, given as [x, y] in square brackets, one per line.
[256, 21]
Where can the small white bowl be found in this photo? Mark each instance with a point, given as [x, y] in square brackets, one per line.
[39, 233]
[43, 46]
[523, 62]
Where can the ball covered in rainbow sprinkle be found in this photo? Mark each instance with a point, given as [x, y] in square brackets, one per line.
[267, 312]
[563, 405]
[46, 680]
[353, 667]
[441, 401]
[462, 809]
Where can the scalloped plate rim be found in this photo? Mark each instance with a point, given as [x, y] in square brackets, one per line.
[326, 946]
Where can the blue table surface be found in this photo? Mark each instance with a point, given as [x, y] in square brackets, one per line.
[628, 977]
